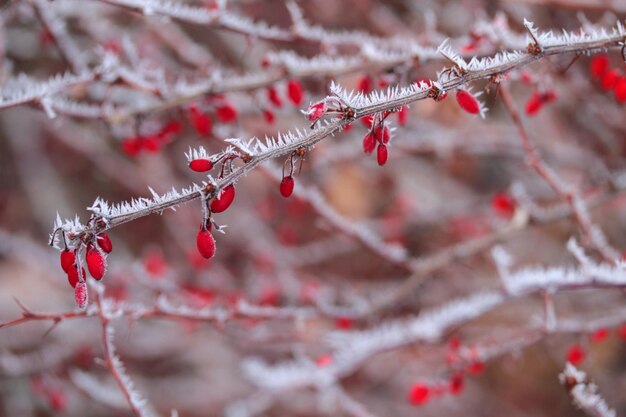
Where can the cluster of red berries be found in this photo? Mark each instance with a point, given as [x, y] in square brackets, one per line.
[151, 143]
[224, 110]
[537, 101]
[95, 258]
[380, 134]
[420, 393]
[295, 94]
[609, 78]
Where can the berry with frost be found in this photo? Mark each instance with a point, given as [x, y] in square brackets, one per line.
[223, 200]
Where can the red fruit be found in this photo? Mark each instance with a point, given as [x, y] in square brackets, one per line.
[68, 258]
[599, 335]
[403, 116]
[609, 79]
[295, 92]
[96, 263]
[382, 154]
[286, 186]
[598, 66]
[621, 332]
[171, 128]
[316, 111]
[619, 89]
[382, 134]
[131, 146]
[476, 368]
[154, 264]
[224, 200]
[104, 242]
[534, 104]
[201, 165]
[72, 275]
[201, 122]
[368, 120]
[576, 355]
[269, 116]
[324, 360]
[273, 97]
[418, 394]
[227, 113]
[57, 400]
[344, 323]
[80, 294]
[369, 143]
[206, 244]
[467, 101]
[150, 144]
[365, 84]
[503, 205]
[456, 383]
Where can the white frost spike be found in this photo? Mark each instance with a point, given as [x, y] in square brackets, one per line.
[360, 100]
[446, 50]
[584, 393]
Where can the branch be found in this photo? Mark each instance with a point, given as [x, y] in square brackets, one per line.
[584, 393]
[356, 106]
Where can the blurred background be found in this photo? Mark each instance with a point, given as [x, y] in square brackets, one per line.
[348, 239]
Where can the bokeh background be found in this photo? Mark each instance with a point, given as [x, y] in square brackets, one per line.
[436, 191]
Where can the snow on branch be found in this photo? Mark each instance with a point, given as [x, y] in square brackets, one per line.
[584, 393]
[359, 105]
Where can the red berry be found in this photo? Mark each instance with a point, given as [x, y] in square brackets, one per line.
[609, 79]
[171, 128]
[96, 264]
[456, 383]
[104, 242]
[201, 122]
[467, 101]
[619, 89]
[599, 335]
[223, 200]
[503, 205]
[269, 116]
[534, 104]
[201, 165]
[418, 394]
[286, 186]
[382, 134]
[344, 323]
[368, 120]
[273, 97]
[369, 143]
[295, 92]
[476, 368]
[72, 275]
[154, 264]
[57, 400]
[324, 360]
[227, 113]
[365, 84]
[403, 115]
[382, 154]
[131, 146]
[68, 258]
[150, 144]
[598, 66]
[80, 294]
[206, 244]
[576, 355]
[316, 111]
